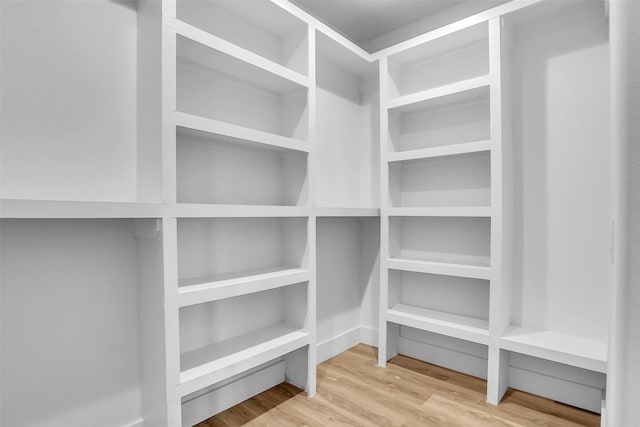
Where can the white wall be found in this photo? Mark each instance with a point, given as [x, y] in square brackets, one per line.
[623, 394]
[347, 286]
[70, 339]
[68, 100]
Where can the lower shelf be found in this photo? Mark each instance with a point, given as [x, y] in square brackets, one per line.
[198, 290]
[558, 347]
[206, 366]
[462, 327]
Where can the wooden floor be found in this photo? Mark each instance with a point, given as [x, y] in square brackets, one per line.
[354, 391]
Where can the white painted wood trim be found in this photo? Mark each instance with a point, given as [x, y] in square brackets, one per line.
[462, 327]
[558, 347]
[418, 98]
[200, 408]
[325, 29]
[195, 210]
[452, 211]
[209, 373]
[443, 268]
[445, 150]
[221, 45]
[216, 127]
[383, 299]
[337, 344]
[456, 26]
[346, 212]
[15, 208]
[207, 291]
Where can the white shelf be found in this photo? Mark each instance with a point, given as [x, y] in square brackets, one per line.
[452, 93]
[345, 212]
[447, 211]
[197, 210]
[559, 347]
[273, 76]
[206, 366]
[462, 327]
[442, 268]
[447, 150]
[197, 290]
[193, 124]
[17, 208]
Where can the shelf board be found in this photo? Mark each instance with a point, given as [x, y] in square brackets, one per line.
[206, 366]
[201, 210]
[446, 150]
[197, 290]
[460, 92]
[442, 268]
[23, 208]
[191, 124]
[559, 347]
[456, 326]
[345, 212]
[231, 59]
[444, 211]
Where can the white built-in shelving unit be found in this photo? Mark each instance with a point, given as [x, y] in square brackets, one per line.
[222, 194]
[492, 263]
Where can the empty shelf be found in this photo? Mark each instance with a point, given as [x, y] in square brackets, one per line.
[447, 150]
[462, 327]
[24, 208]
[198, 290]
[198, 210]
[453, 211]
[559, 347]
[206, 366]
[265, 72]
[460, 92]
[345, 212]
[443, 268]
[192, 124]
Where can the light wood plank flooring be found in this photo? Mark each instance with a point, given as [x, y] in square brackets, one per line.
[354, 391]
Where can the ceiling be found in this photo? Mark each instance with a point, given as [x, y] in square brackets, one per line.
[375, 24]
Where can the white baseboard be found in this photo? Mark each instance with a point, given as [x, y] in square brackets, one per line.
[336, 345]
[369, 336]
[230, 394]
[137, 423]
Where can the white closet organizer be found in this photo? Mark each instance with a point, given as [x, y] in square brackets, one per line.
[487, 235]
[170, 238]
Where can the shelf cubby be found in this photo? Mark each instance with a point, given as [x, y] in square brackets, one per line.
[263, 28]
[559, 208]
[346, 127]
[213, 84]
[224, 170]
[459, 56]
[457, 242]
[454, 180]
[223, 338]
[238, 247]
[456, 115]
[455, 306]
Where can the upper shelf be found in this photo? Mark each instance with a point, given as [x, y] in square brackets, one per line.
[199, 47]
[455, 57]
[197, 125]
[261, 27]
[454, 93]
